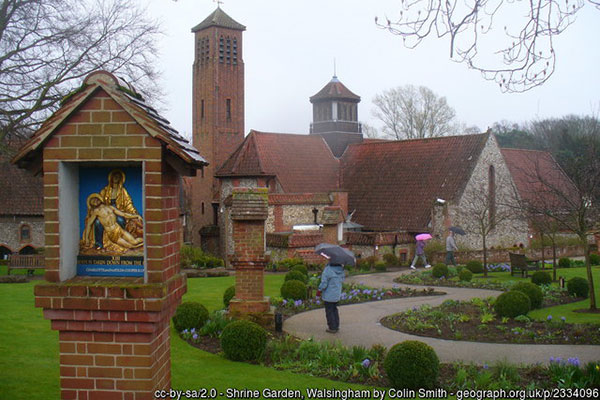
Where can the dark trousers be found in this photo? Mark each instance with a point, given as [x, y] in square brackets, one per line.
[450, 258]
[332, 315]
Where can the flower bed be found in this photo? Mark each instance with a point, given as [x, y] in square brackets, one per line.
[475, 320]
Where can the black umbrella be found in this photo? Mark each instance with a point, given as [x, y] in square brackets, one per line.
[336, 254]
[458, 230]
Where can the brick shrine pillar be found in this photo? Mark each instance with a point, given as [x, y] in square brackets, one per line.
[111, 303]
[331, 220]
[249, 210]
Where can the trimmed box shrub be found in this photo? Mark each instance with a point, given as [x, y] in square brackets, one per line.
[293, 289]
[412, 365]
[296, 275]
[475, 266]
[578, 287]
[440, 270]
[228, 295]
[465, 275]
[300, 268]
[541, 278]
[243, 341]
[594, 259]
[512, 303]
[564, 262]
[190, 314]
[532, 291]
[380, 266]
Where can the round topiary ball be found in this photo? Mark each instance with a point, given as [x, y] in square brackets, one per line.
[439, 270]
[296, 275]
[300, 268]
[228, 295]
[190, 315]
[532, 291]
[564, 262]
[243, 341]
[541, 278]
[465, 275]
[475, 266]
[578, 287]
[512, 303]
[294, 289]
[412, 365]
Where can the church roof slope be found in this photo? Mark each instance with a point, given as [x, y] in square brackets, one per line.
[393, 185]
[221, 19]
[335, 90]
[301, 163]
[540, 181]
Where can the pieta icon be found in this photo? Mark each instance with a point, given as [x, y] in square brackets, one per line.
[112, 224]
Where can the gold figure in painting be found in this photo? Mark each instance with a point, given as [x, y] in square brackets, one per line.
[112, 224]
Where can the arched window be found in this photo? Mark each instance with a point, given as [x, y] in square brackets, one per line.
[25, 233]
[492, 194]
[4, 252]
[27, 250]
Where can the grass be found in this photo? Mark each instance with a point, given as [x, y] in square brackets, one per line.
[29, 349]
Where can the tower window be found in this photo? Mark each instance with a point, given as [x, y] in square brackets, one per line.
[234, 50]
[221, 49]
[202, 208]
[202, 109]
[228, 109]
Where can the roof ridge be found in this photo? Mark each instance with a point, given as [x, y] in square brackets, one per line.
[420, 139]
[531, 150]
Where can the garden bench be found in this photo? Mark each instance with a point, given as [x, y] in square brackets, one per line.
[28, 262]
[520, 262]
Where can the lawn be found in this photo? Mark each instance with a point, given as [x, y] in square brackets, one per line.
[29, 349]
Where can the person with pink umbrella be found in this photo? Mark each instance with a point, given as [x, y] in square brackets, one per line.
[420, 250]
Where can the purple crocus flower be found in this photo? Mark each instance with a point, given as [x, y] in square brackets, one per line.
[195, 336]
[298, 303]
[549, 318]
[284, 302]
[185, 331]
[574, 361]
[485, 366]
[193, 330]
[366, 362]
[563, 319]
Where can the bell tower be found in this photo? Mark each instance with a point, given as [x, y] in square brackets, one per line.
[218, 110]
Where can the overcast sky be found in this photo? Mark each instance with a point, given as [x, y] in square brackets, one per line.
[290, 45]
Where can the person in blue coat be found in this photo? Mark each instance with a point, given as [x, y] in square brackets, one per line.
[330, 290]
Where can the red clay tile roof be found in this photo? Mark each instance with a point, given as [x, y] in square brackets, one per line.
[538, 178]
[22, 192]
[393, 185]
[125, 95]
[302, 163]
[335, 90]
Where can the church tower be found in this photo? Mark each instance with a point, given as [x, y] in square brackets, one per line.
[218, 110]
[335, 116]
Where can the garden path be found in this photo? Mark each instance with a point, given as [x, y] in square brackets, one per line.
[360, 326]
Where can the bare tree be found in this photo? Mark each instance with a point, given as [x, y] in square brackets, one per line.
[526, 57]
[369, 131]
[410, 112]
[48, 46]
[572, 204]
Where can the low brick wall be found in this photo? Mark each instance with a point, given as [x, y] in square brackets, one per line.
[501, 255]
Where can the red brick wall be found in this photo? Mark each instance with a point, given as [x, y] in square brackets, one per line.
[102, 131]
[114, 339]
[249, 240]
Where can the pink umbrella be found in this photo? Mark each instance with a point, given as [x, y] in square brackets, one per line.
[423, 236]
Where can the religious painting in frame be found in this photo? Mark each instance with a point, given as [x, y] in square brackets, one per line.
[111, 225]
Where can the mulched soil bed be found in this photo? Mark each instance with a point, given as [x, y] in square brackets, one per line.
[467, 325]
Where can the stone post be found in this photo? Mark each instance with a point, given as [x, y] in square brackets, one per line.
[249, 210]
[331, 220]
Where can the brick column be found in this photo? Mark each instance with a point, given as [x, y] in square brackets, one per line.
[113, 335]
[249, 211]
[332, 216]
